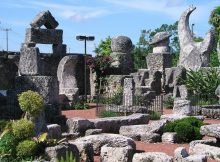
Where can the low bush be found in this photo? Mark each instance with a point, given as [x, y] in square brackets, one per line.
[105, 114]
[154, 115]
[22, 129]
[8, 144]
[187, 129]
[27, 149]
[31, 102]
[168, 102]
[80, 106]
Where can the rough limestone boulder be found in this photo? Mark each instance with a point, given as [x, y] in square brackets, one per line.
[152, 157]
[196, 158]
[78, 125]
[54, 131]
[173, 117]
[151, 137]
[85, 149]
[182, 107]
[102, 139]
[113, 124]
[169, 137]
[115, 153]
[93, 131]
[181, 155]
[135, 130]
[212, 130]
[211, 152]
[56, 152]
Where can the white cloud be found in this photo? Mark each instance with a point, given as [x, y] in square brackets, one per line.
[73, 12]
[81, 16]
[175, 3]
[171, 8]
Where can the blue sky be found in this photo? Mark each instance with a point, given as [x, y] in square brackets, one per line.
[100, 18]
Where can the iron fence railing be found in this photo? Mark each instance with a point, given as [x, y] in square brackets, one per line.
[200, 100]
[128, 104]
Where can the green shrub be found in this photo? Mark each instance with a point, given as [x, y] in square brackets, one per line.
[187, 129]
[203, 81]
[105, 114]
[154, 115]
[23, 129]
[3, 124]
[170, 127]
[8, 144]
[27, 149]
[31, 102]
[168, 102]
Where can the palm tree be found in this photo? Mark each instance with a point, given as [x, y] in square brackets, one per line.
[214, 20]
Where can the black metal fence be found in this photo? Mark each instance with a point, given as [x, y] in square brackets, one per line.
[200, 100]
[127, 104]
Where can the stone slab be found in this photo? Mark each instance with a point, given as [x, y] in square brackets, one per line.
[44, 18]
[100, 140]
[116, 154]
[152, 157]
[212, 130]
[113, 124]
[44, 36]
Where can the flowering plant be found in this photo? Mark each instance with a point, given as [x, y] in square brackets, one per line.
[99, 64]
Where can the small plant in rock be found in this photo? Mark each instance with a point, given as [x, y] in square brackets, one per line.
[31, 102]
[27, 149]
[187, 129]
[79, 105]
[22, 129]
[168, 102]
[68, 158]
[154, 115]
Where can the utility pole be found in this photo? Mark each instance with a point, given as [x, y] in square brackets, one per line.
[6, 31]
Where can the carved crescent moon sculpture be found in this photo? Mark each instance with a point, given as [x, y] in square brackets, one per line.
[193, 55]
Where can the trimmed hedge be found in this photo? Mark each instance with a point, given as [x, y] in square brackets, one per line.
[31, 102]
[187, 129]
[27, 149]
[23, 129]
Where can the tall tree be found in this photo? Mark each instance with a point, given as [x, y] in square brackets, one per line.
[104, 47]
[214, 20]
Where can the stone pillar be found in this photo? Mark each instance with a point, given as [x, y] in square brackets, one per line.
[128, 92]
[29, 63]
[161, 57]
